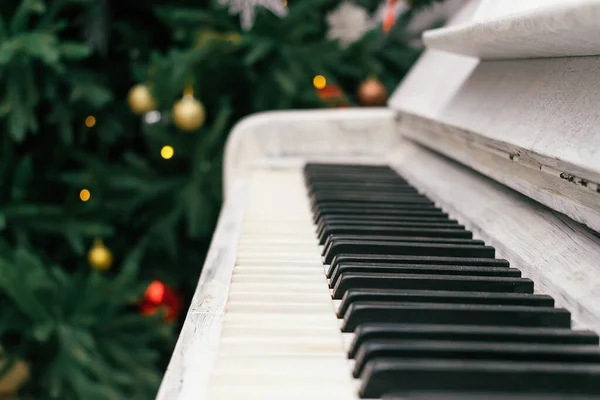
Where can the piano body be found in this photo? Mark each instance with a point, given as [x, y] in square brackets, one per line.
[457, 228]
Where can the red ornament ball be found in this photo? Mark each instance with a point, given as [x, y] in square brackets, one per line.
[160, 296]
[333, 96]
[372, 93]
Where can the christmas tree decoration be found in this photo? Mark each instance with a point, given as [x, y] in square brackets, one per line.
[158, 212]
[381, 12]
[140, 99]
[167, 152]
[152, 117]
[90, 121]
[99, 256]
[390, 17]
[188, 113]
[319, 82]
[372, 93]
[246, 9]
[333, 96]
[159, 296]
[348, 23]
[233, 37]
[209, 34]
[12, 380]
[84, 195]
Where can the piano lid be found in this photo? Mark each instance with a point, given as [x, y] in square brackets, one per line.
[531, 123]
[525, 29]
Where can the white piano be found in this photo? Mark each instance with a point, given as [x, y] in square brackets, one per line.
[443, 247]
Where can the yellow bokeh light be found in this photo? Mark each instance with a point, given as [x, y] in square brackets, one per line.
[319, 81]
[90, 121]
[84, 195]
[167, 152]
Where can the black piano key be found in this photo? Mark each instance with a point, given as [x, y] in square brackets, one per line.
[454, 314]
[357, 187]
[314, 165]
[379, 240]
[350, 169]
[379, 220]
[469, 333]
[400, 281]
[387, 376]
[402, 230]
[452, 350]
[441, 296]
[422, 269]
[367, 188]
[414, 212]
[332, 207]
[356, 178]
[398, 259]
[483, 396]
[369, 198]
[367, 221]
[380, 205]
[381, 208]
[407, 249]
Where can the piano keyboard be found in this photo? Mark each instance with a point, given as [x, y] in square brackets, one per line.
[351, 284]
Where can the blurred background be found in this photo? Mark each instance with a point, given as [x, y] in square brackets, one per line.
[113, 117]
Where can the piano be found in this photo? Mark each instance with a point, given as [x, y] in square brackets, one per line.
[443, 247]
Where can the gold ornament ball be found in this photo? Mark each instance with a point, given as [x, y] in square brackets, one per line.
[372, 93]
[188, 113]
[100, 257]
[140, 99]
[14, 378]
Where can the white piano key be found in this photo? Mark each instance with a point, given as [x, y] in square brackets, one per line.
[284, 263]
[279, 279]
[290, 287]
[298, 392]
[280, 307]
[252, 330]
[307, 269]
[280, 335]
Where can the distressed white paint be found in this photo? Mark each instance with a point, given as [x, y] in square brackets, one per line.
[475, 112]
[276, 335]
[532, 174]
[489, 10]
[543, 110]
[436, 76]
[526, 29]
[188, 372]
[558, 254]
[362, 134]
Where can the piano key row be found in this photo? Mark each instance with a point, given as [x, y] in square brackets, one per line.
[280, 335]
[434, 313]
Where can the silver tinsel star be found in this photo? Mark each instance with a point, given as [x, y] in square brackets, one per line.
[246, 9]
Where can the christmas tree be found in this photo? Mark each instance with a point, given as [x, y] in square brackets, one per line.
[114, 116]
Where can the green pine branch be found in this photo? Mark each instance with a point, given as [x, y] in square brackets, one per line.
[78, 328]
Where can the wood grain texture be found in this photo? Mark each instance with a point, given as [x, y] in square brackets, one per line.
[560, 255]
[188, 372]
[542, 110]
[546, 106]
[427, 88]
[543, 179]
[568, 28]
